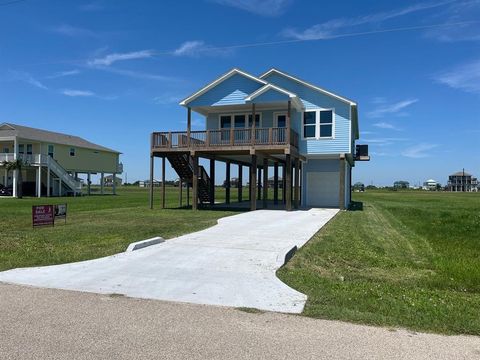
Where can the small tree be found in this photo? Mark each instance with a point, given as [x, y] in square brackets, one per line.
[16, 165]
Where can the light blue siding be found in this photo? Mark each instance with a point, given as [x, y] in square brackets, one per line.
[271, 96]
[313, 99]
[231, 91]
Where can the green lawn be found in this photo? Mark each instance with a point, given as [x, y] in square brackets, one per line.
[408, 259]
[96, 226]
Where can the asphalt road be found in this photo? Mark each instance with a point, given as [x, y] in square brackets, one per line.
[57, 324]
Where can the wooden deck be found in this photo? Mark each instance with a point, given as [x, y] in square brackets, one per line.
[224, 139]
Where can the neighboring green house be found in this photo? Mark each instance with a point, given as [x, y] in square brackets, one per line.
[53, 161]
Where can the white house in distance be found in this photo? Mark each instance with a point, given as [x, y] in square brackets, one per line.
[53, 161]
[430, 184]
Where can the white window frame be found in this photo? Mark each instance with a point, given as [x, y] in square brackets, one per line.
[317, 124]
[74, 151]
[53, 150]
[232, 119]
[275, 118]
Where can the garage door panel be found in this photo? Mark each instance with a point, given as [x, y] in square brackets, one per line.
[323, 189]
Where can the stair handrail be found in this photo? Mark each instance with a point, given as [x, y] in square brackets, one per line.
[74, 184]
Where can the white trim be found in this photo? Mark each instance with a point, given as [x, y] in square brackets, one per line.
[218, 81]
[317, 124]
[348, 101]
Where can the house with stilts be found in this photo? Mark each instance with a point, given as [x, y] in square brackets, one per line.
[273, 122]
[52, 162]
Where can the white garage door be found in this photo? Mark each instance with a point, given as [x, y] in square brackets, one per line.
[322, 189]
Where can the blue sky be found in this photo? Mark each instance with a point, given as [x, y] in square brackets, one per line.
[113, 71]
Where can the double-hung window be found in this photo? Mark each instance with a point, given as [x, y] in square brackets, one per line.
[29, 149]
[318, 124]
[326, 123]
[309, 124]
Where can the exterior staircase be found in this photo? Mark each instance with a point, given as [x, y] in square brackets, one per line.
[69, 181]
[183, 166]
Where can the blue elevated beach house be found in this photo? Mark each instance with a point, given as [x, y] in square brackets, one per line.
[273, 123]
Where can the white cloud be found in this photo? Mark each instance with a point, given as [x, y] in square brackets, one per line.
[167, 99]
[72, 31]
[387, 109]
[385, 125]
[465, 15]
[75, 93]
[419, 151]
[136, 74]
[112, 58]
[384, 141]
[27, 78]
[64, 73]
[189, 48]
[330, 28]
[92, 6]
[464, 77]
[268, 8]
[194, 48]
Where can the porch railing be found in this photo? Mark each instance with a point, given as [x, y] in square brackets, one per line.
[223, 138]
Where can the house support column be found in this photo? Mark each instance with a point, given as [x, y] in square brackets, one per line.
[297, 184]
[15, 172]
[288, 182]
[38, 181]
[259, 187]
[188, 194]
[180, 192]
[151, 181]
[240, 182]
[102, 178]
[89, 183]
[227, 182]
[189, 125]
[275, 182]
[163, 182]
[253, 183]
[195, 183]
[284, 188]
[114, 185]
[341, 194]
[212, 181]
[265, 182]
[300, 183]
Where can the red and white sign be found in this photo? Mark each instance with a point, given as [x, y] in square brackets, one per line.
[42, 215]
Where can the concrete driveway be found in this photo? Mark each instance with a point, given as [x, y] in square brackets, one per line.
[232, 264]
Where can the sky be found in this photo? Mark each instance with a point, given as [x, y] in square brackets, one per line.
[113, 71]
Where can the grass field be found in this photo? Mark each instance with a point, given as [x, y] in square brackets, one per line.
[408, 259]
[96, 226]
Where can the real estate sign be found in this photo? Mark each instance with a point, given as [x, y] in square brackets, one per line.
[42, 215]
[61, 211]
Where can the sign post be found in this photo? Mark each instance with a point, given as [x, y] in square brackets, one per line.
[42, 215]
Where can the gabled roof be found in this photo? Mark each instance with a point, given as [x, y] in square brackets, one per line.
[267, 87]
[314, 87]
[29, 133]
[218, 81]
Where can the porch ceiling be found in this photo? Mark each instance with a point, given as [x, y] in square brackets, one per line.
[280, 106]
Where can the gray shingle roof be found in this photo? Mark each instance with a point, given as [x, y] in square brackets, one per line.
[461, 173]
[25, 132]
